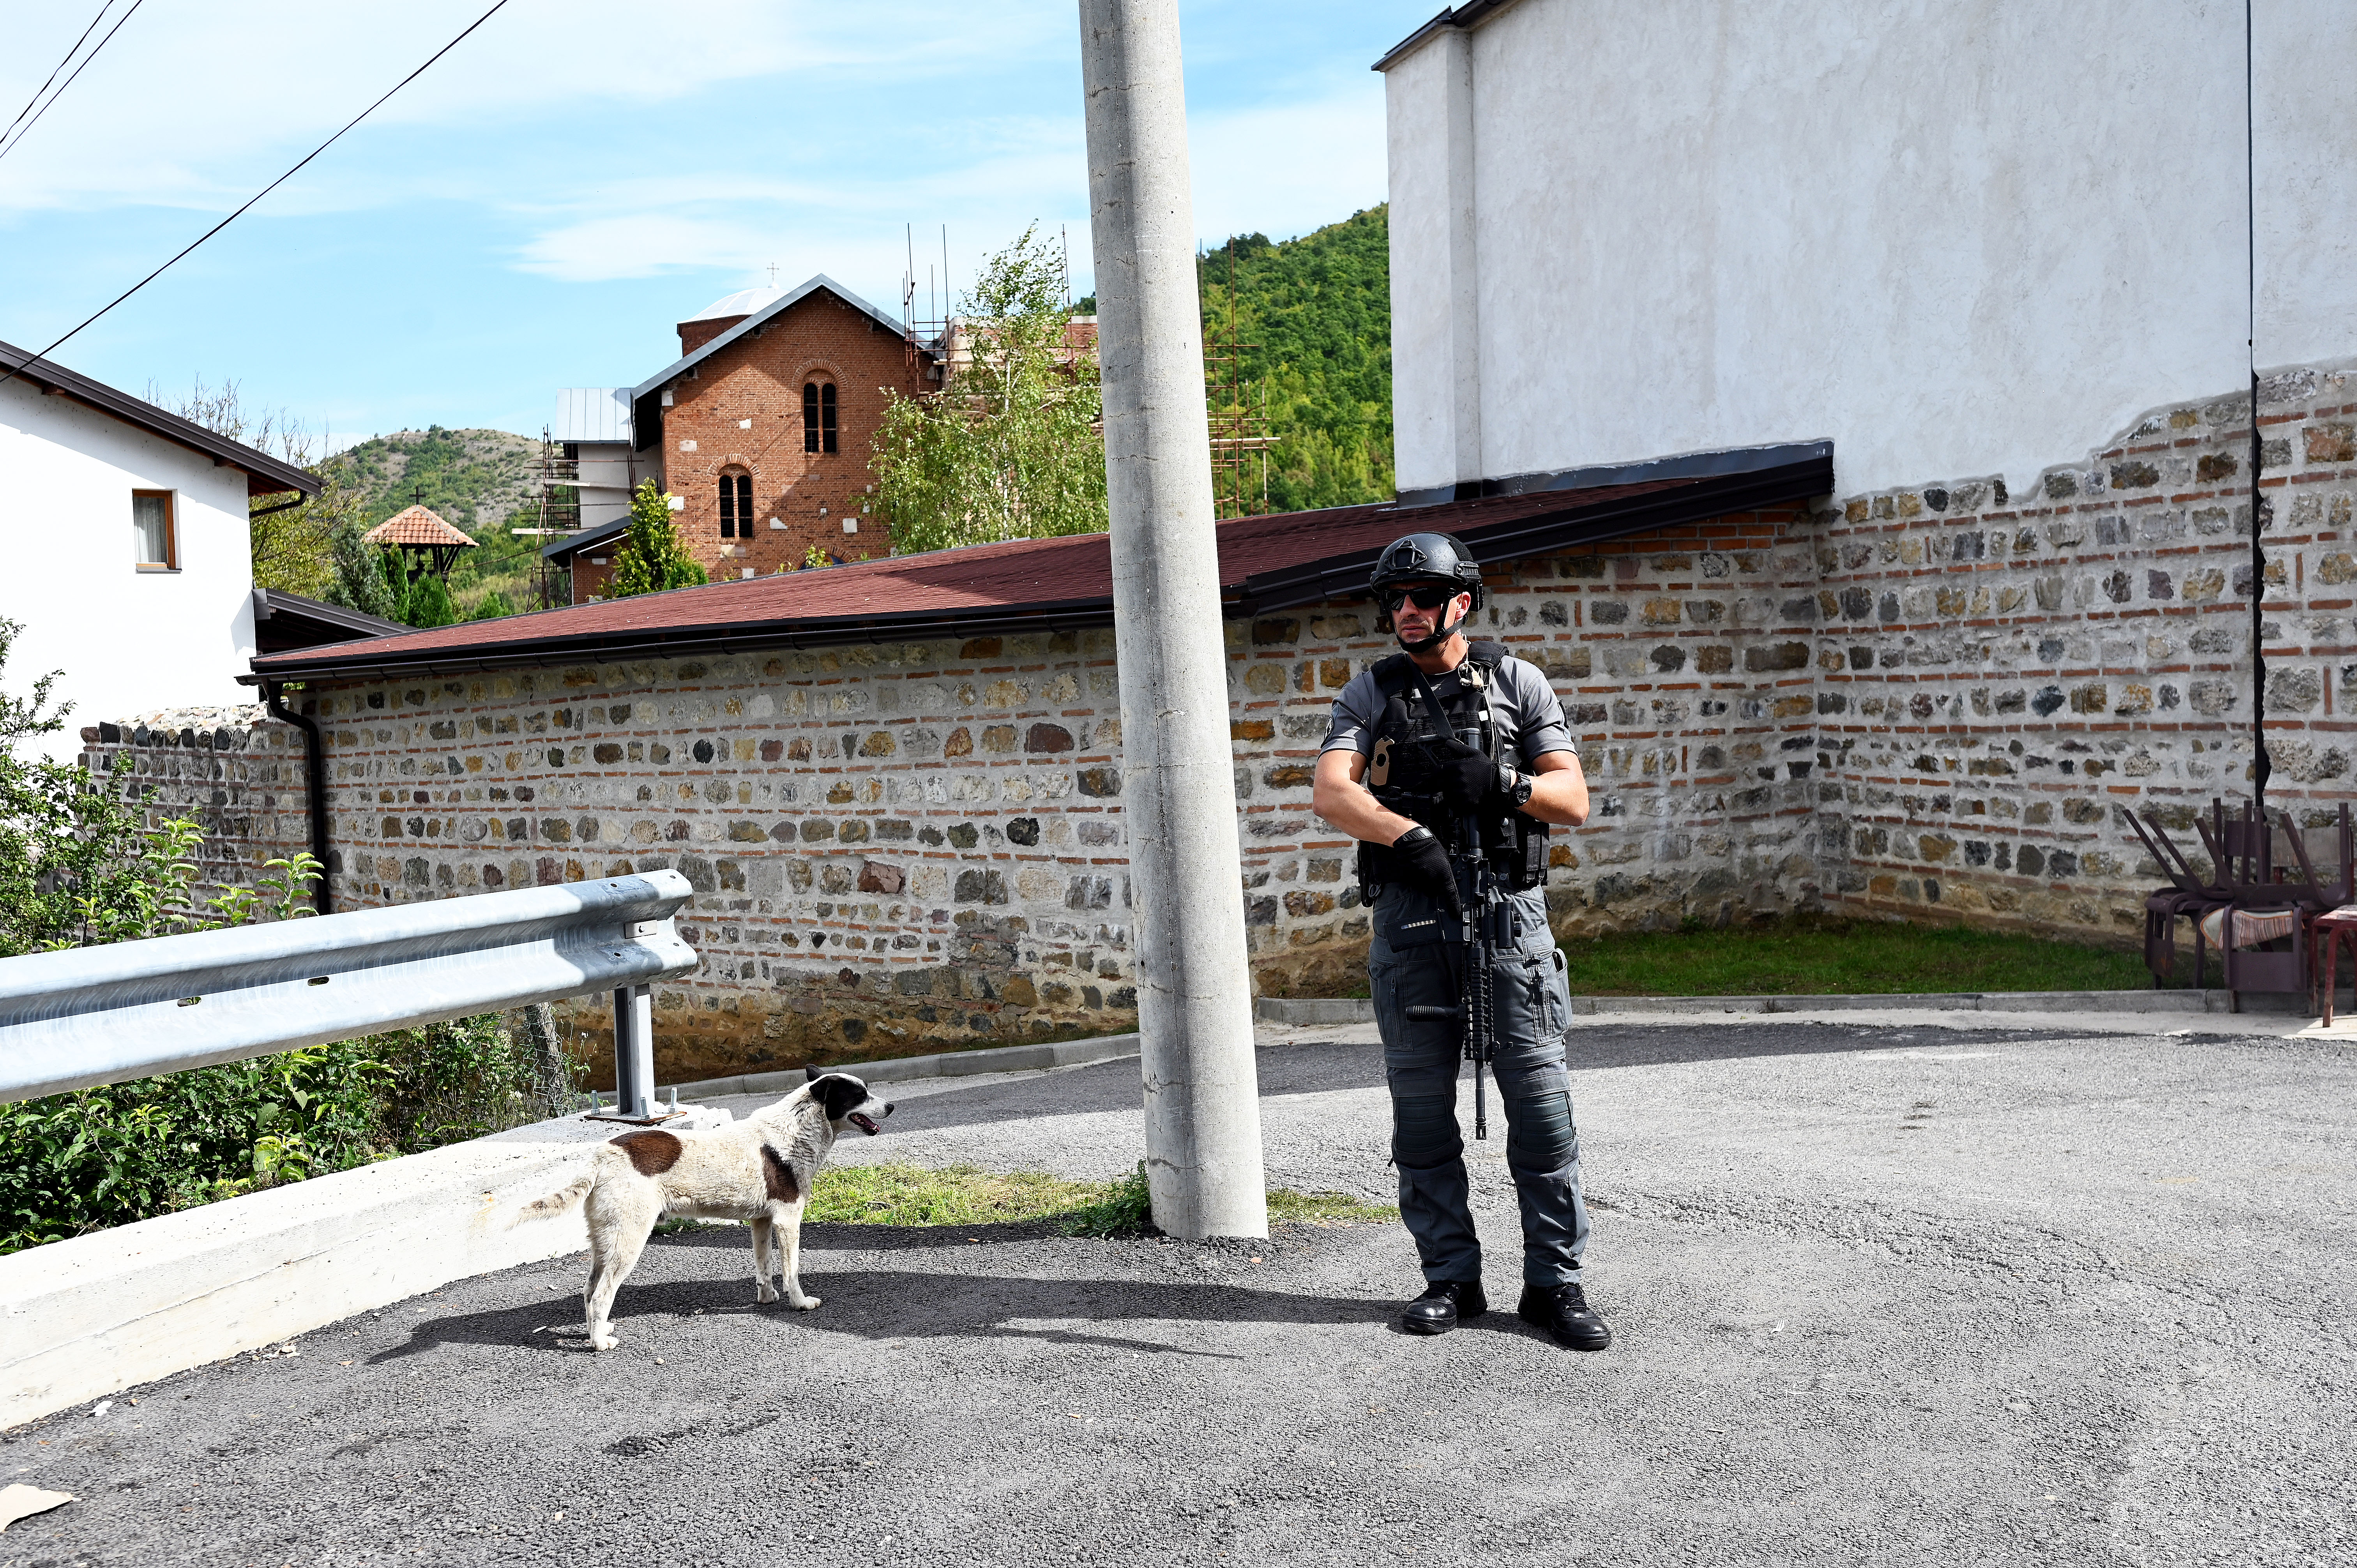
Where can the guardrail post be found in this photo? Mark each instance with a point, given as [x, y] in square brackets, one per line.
[634, 1051]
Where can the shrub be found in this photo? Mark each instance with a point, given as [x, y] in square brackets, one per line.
[79, 868]
[105, 1157]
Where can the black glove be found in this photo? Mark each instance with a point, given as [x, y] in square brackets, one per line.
[1465, 778]
[1421, 863]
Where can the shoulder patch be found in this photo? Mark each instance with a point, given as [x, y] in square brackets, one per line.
[777, 1177]
[652, 1152]
[1391, 675]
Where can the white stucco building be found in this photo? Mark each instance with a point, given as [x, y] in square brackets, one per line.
[1953, 239]
[593, 424]
[129, 565]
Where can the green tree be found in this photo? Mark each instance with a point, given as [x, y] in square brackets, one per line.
[358, 581]
[1314, 315]
[652, 559]
[491, 607]
[293, 538]
[429, 602]
[1012, 446]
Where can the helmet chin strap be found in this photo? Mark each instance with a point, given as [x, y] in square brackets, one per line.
[1427, 644]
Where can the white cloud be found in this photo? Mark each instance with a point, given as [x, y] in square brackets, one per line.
[238, 88]
[1284, 169]
[1277, 170]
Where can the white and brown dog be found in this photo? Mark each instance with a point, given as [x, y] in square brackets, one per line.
[758, 1170]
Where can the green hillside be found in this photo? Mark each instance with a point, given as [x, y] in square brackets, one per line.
[1318, 310]
[478, 482]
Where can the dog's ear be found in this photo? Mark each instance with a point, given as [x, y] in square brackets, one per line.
[838, 1094]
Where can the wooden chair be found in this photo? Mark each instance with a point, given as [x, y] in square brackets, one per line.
[2187, 898]
[2242, 849]
[2327, 918]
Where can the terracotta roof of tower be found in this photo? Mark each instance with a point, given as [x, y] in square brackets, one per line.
[416, 525]
[1033, 585]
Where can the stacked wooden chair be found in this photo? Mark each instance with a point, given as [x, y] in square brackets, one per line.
[2263, 916]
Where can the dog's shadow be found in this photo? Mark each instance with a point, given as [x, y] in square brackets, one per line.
[877, 1304]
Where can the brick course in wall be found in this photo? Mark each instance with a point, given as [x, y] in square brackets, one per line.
[1997, 673]
[1925, 702]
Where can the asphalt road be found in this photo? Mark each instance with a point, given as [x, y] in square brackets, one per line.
[1883, 1296]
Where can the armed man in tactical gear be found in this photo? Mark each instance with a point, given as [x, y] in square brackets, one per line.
[1447, 762]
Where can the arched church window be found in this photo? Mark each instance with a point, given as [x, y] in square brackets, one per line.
[735, 506]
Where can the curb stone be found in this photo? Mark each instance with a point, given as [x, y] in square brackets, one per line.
[1330, 1011]
[944, 1064]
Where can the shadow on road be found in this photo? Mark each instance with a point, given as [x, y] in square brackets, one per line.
[896, 1304]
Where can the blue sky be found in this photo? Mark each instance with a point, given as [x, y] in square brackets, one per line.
[541, 208]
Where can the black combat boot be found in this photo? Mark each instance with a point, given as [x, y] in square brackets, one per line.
[1563, 1311]
[1444, 1305]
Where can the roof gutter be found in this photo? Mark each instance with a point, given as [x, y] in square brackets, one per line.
[264, 475]
[1072, 615]
[1340, 576]
[1462, 18]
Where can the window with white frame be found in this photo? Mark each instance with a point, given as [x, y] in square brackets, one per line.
[155, 545]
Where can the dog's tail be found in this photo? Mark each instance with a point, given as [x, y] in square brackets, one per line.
[557, 1202]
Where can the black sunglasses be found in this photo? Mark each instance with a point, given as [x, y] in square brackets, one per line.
[1428, 596]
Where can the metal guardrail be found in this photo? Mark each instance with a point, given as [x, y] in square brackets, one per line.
[90, 1016]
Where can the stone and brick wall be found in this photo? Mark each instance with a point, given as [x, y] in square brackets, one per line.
[1995, 672]
[1924, 701]
[235, 771]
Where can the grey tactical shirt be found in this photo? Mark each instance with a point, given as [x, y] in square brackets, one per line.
[1525, 703]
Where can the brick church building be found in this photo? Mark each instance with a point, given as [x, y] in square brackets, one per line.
[760, 431]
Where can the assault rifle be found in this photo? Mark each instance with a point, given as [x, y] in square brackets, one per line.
[1486, 922]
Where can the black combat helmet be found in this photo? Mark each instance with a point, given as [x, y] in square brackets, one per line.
[1426, 558]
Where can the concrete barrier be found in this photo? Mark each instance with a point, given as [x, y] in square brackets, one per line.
[88, 1317]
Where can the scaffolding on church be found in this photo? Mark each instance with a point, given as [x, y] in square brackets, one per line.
[556, 506]
[1239, 417]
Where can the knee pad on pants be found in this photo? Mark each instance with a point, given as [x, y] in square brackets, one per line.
[1543, 1140]
[1423, 1131]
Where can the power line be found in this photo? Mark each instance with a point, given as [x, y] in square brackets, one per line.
[78, 43]
[69, 82]
[274, 185]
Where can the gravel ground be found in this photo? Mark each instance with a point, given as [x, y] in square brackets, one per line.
[1882, 1296]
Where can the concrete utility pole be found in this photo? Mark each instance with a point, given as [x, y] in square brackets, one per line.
[1194, 985]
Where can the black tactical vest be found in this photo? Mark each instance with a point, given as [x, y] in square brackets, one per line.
[1514, 843]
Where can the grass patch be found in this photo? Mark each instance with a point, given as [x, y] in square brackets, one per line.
[952, 1195]
[1823, 958]
[1836, 957]
[967, 1195]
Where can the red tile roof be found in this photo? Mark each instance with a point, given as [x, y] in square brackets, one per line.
[1265, 564]
[416, 525]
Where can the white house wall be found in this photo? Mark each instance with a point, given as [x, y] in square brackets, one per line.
[1956, 239]
[128, 641]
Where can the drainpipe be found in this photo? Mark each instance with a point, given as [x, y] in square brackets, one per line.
[314, 778]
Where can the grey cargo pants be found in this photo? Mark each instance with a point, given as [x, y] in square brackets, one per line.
[1422, 1062]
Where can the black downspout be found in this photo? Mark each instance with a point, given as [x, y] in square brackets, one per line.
[2262, 765]
[315, 778]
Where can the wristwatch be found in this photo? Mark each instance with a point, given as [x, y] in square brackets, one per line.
[1514, 786]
